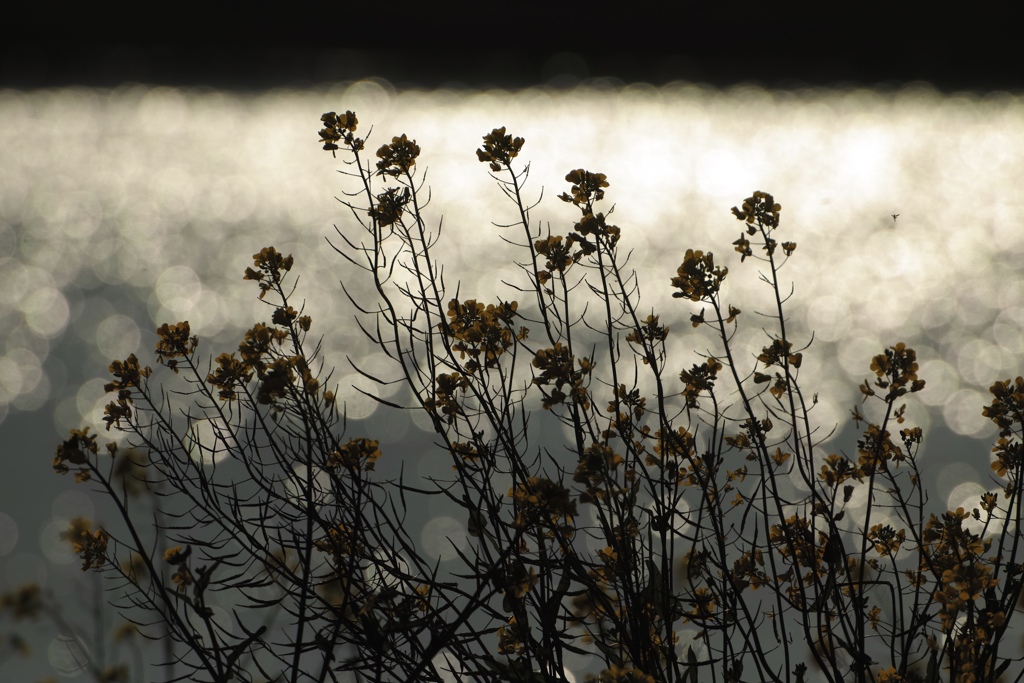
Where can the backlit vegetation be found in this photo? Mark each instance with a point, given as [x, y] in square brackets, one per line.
[689, 526]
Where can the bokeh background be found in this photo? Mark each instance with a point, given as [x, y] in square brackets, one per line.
[141, 165]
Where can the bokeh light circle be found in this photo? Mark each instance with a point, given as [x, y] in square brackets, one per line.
[387, 571]
[178, 289]
[55, 548]
[46, 312]
[117, 336]
[829, 316]
[210, 441]
[8, 534]
[962, 412]
[941, 382]
[355, 402]
[444, 535]
[68, 656]
[448, 667]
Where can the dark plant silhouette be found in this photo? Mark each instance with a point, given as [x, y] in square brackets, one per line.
[689, 527]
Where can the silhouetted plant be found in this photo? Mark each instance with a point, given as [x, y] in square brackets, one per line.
[689, 528]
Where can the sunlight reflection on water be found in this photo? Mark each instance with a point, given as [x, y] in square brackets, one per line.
[122, 209]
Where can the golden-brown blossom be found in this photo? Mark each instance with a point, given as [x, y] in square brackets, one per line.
[230, 375]
[75, 450]
[698, 278]
[698, 380]
[90, 545]
[24, 603]
[483, 333]
[557, 371]
[390, 206]
[175, 555]
[779, 352]
[540, 501]
[445, 399]
[277, 379]
[760, 209]
[650, 331]
[398, 158]
[586, 187]
[118, 410]
[175, 341]
[558, 253]
[887, 541]
[895, 369]
[1009, 456]
[499, 149]
[596, 468]
[1007, 406]
[272, 266]
[338, 128]
[356, 454]
[511, 637]
[128, 373]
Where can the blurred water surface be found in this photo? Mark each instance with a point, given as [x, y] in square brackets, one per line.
[123, 209]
